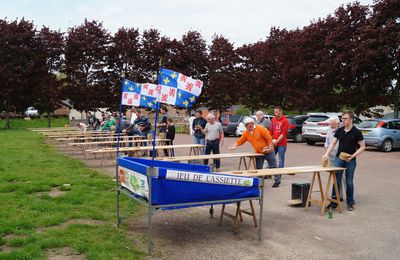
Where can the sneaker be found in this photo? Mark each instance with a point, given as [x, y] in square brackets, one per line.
[350, 207]
[332, 206]
[276, 184]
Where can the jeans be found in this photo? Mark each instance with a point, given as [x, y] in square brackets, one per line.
[214, 147]
[270, 157]
[350, 169]
[280, 150]
[198, 140]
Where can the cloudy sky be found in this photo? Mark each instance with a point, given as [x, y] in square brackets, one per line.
[242, 21]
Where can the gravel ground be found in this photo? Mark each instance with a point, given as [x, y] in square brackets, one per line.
[370, 232]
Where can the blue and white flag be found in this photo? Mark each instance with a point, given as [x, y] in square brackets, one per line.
[140, 95]
[178, 89]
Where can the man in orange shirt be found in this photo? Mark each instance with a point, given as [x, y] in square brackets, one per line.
[259, 137]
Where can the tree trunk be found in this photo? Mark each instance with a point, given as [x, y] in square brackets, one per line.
[48, 119]
[7, 118]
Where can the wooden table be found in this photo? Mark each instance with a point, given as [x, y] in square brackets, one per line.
[242, 156]
[80, 134]
[124, 141]
[97, 137]
[315, 170]
[134, 151]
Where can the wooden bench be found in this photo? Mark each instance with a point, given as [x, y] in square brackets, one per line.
[134, 151]
[122, 142]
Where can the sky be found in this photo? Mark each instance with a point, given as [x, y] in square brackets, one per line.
[241, 21]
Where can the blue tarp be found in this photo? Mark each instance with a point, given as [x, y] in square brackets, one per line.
[188, 183]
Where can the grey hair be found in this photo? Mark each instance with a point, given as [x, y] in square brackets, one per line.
[210, 116]
[259, 112]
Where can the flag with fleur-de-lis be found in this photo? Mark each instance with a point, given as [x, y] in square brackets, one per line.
[140, 94]
[178, 89]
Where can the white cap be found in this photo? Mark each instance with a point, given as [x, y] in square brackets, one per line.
[248, 120]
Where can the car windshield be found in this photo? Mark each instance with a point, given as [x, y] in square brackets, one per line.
[317, 118]
[234, 118]
[369, 124]
[292, 121]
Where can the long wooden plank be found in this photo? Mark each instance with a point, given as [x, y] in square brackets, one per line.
[80, 134]
[144, 148]
[284, 171]
[115, 142]
[208, 156]
[95, 137]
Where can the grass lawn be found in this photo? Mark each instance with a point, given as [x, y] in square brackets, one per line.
[33, 221]
[19, 123]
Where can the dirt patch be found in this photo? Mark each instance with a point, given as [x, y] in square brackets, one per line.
[92, 222]
[64, 253]
[7, 249]
[56, 192]
[12, 236]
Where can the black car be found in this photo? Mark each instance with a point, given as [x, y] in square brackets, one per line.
[295, 127]
[230, 123]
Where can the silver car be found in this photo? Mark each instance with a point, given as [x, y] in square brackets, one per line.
[315, 128]
[381, 133]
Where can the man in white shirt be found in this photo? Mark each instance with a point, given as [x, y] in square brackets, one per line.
[333, 126]
[214, 138]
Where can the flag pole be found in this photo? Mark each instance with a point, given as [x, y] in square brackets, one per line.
[116, 163]
[156, 117]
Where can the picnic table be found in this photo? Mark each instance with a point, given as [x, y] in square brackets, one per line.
[242, 157]
[53, 129]
[79, 134]
[98, 137]
[134, 151]
[314, 169]
[93, 144]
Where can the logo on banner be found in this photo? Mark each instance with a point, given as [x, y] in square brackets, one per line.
[209, 178]
[133, 181]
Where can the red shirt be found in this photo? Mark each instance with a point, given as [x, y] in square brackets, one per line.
[278, 127]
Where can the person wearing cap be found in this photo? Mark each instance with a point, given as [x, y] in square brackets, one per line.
[259, 137]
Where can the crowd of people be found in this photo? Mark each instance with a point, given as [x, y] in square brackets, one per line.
[342, 145]
[138, 125]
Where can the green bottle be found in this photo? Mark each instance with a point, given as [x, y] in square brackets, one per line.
[330, 216]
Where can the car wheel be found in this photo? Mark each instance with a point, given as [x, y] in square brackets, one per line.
[387, 145]
[298, 138]
[310, 142]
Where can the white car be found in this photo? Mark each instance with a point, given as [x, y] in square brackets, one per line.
[31, 112]
[315, 128]
[241, 128]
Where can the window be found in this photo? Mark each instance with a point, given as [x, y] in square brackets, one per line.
[369, 124]
[317, 118]
[394, 125]
[234, 118]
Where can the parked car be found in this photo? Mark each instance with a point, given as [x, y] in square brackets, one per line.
[296, 127]
[381, 133]
[316, 126]
[230, 123]
[31, 112]
[241, 128]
